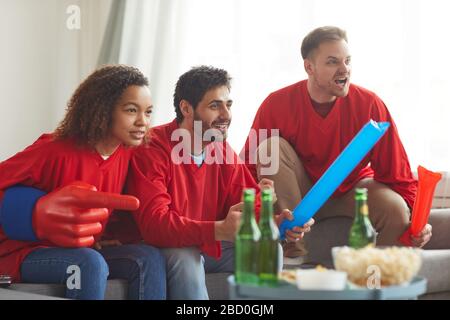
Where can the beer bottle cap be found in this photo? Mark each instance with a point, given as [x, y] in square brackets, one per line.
[266, 194]
[249, 194]
[361, 194]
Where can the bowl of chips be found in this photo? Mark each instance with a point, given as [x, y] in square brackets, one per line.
[378, 266]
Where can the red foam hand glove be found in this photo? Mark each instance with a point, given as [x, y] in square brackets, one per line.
[72, 215]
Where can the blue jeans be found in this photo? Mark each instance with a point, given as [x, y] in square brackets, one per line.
[85, 270]
[186, 269]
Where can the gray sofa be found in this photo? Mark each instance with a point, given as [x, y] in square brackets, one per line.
[323, 236]
[435, 259]
[334, 232]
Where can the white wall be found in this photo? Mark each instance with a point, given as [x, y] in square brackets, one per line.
[400, 56]
[399, 51]
[41, 63]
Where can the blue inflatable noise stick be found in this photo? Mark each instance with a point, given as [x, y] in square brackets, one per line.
[339, 170]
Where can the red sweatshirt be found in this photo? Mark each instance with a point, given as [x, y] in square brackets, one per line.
[181, 202]
[49, 164]
[318, 141]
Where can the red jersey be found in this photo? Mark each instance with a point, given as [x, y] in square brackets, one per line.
[49, 164]
[181, 202]
[319, 140]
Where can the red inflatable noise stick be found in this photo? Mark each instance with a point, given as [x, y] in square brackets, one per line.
[422, 206]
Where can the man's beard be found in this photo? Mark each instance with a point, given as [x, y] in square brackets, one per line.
[212, 134]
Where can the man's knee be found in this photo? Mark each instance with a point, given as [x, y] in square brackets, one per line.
[390, 205]
[389, 214]
[183, 260]
[399, 208]
[186, 274]
[384, 203]
[270, 153]
[148, 258]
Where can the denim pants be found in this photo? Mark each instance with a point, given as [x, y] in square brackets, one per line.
[85, 270]
[187, 268]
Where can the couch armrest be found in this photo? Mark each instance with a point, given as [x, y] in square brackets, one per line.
[440, 221]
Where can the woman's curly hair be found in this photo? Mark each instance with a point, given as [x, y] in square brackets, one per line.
[89, 111]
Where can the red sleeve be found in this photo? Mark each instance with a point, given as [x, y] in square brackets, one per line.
[158, 223]
[389, 159]
[242, 179]
[26, 166]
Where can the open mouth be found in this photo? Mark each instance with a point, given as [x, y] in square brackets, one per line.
[341, 82]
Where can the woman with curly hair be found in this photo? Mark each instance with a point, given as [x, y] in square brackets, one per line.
[72, 180]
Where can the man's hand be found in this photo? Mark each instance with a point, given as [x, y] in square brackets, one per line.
[268, 184]
[226, 230]
[72, 215]
[297, 232]
[423, 237]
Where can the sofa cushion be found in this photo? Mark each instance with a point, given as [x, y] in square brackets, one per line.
[217, 286]
[441, 196]
[55, 290]
[439, 220]
[7, 294]
[323, 236]
[436, 269]
[435, 263]
[116, 289]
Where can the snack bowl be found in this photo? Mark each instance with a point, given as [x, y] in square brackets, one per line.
[385, 265]
[321, 279]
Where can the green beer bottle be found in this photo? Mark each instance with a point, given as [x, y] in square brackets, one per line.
[246, 246]
[268, 244]
[361, 233]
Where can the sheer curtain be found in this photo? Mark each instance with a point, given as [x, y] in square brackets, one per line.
[150, 35]
[399, 51]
